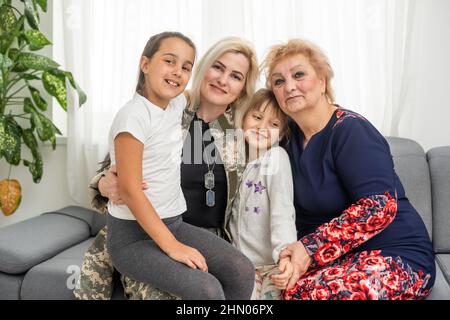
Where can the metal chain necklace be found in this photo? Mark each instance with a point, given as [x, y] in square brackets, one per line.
[209, 177]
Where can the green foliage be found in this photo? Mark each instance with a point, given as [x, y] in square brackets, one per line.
[56, 86]
[22, 121]
[11, 139]
[36, 39]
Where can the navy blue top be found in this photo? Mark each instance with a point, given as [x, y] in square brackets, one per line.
[346, 161]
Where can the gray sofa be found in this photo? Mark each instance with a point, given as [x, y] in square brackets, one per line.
[40, 258]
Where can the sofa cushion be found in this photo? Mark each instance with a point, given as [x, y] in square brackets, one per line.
[10, 286]
[95, 220]
[443, 261]
[439, 162]
[412, 168]
[441, 288]
[55, 278]
[27, 243]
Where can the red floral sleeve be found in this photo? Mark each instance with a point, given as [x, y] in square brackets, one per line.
[356, 225]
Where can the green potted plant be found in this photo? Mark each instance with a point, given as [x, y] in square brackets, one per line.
[22, 107]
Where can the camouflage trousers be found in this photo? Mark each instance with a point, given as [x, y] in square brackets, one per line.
[97, 276]
[264, 287]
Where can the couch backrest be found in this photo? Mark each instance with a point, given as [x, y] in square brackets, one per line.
[411, 166]
[439, 162]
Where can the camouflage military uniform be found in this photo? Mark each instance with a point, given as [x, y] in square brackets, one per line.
[96, 279]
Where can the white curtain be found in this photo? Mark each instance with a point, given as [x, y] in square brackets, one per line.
[366, 40]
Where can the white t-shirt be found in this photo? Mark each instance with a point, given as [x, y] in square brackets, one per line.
[160, 132]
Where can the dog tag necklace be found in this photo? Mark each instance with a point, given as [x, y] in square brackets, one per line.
[209, 176]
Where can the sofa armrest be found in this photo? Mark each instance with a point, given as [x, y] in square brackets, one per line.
[439, 162]
[96, 221]
[27, 243]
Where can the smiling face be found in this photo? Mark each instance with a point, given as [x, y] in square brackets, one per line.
[262, 126]
[168, 71]
[296, 84]
[224, 81]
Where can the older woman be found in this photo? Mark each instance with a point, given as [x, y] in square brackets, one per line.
[224, 80]
[359, 236]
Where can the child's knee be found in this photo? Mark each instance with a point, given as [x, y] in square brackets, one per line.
[211, 289]
[244, 267]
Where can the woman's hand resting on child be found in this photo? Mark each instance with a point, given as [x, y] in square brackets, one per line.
[281, 280]
[109, 186]
[300, 261]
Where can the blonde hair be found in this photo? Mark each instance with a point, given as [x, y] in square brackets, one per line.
[261, 97]
[316, 57]
[226, 45]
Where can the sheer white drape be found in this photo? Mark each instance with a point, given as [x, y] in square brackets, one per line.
[366, 41]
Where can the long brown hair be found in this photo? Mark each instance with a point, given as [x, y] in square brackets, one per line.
[153, 45]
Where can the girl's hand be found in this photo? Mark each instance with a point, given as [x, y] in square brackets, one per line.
[281, 280]
[109, 186]
[300, 260]
[187, 255]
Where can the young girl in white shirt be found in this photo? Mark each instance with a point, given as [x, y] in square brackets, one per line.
[147, 239]
[263, 215]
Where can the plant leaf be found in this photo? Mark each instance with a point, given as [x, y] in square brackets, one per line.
[35, 121]
[5, 64]
[31, 14]
[21, 39]
[56, 87]
[36, 167]
[63, 75]
[42, 4]
[13, 54]
[12, 139]
[28, 106]
[36, 39]
[30, 140]
[36, 61]
[38, 100]
[82, 98]
[29, 77]
[2, 136]
[10, 196]
[8, 38]
[47, 130]
[7, 19]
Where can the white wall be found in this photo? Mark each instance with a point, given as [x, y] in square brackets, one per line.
[428, 100]
[52, 192]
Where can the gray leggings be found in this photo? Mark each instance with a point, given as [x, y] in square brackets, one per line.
[231, 274]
